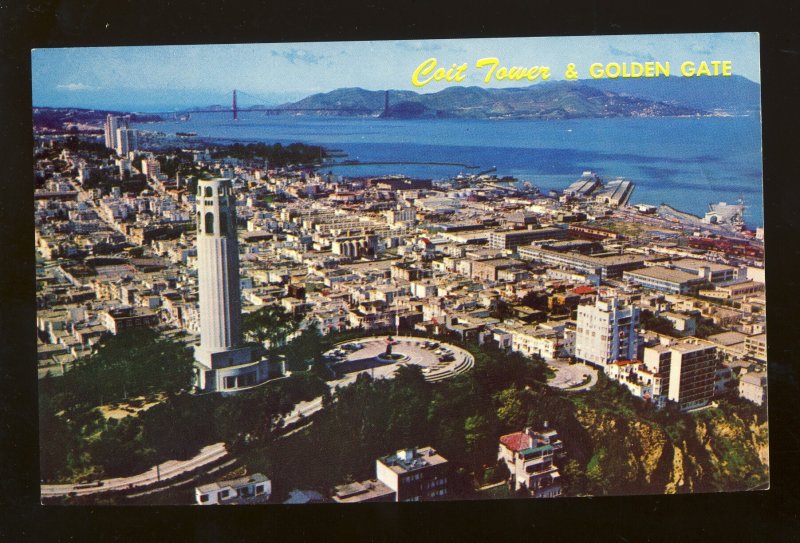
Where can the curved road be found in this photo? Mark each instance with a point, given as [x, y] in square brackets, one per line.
[164, 471]
[217, 451]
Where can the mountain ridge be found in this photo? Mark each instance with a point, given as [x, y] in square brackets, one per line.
[555, 99]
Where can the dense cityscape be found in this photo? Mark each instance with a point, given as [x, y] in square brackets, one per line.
[229, 323]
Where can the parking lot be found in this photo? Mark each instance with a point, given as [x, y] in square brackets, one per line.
[572, 377]
[438, 360]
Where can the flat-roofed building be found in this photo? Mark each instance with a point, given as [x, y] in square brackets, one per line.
[531, 340]
[488, 270]
[414, 474]
[127, 318]
[753, 387]
[756, 346]
[664, 279]
[640, 381]
[368, 491]
[693, 363]
[685, 324]
[736, 290]
[605, 265]
[511, 239]
[730, 343]
[710, 271]
[250, 489]
[606, 331]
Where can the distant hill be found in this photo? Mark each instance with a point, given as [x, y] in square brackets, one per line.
[555, 100]
[348, 100]
[55, 117]
[734, 94]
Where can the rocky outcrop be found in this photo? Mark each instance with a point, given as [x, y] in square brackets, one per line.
[709, 451]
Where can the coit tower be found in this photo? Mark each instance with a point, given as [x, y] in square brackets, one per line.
[218, 266]
[222, 363]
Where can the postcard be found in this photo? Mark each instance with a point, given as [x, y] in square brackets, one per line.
[389, 271]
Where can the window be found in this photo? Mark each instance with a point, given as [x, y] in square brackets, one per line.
[209, 223]
[224, 493]
[223, 223]
[209, 192]
[203, 498]
[199, 221]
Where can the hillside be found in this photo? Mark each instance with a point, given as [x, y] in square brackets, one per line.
[735, 94]
[722, 448]
[55, 117]
[557, 100]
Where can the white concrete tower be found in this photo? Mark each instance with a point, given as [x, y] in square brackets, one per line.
[218, 266]
[222, 363]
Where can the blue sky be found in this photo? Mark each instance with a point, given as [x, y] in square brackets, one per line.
[167, 77]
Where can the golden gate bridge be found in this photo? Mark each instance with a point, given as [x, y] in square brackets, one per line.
[236, 108]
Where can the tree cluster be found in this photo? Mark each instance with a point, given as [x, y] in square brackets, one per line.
[277, 155]
[462, 418]
[137, 367]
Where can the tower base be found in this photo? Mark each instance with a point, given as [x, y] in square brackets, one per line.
[233, 371]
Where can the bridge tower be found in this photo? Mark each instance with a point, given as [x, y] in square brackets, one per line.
[235, 111]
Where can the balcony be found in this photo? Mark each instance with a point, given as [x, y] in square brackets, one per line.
[540, 469]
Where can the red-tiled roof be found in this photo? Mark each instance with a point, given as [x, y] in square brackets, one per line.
[516, 441]
[584, 290]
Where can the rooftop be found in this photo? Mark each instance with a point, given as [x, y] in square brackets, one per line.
[361, 491]
[727, 338]
[691, 344]
[528, 441]
[407, 460]
[664, 274]
[234, 483]
[695, 264]
[601, 259]
[754, 378]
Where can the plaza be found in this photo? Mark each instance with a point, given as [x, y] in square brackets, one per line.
[438, 360]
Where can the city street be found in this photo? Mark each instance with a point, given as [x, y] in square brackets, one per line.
[162, 472]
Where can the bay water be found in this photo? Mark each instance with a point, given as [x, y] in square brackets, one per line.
[685, 162]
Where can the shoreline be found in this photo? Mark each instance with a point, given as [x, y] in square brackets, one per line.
[201, 142]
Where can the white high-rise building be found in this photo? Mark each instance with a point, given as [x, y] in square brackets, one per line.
[124, 166]
[222, 364]
[125, 141]
[606, 331]
[110, 130]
